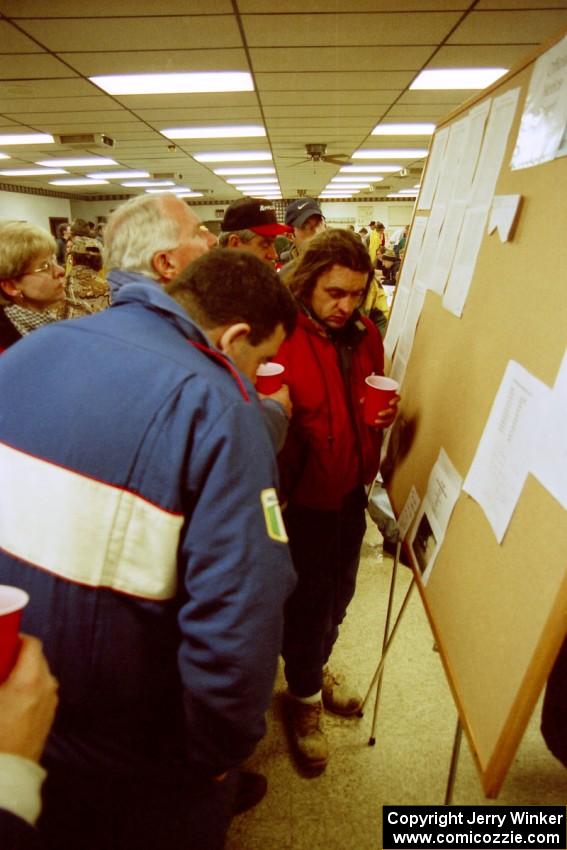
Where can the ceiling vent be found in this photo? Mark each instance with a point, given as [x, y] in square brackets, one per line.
[167, 175]
[85, 140]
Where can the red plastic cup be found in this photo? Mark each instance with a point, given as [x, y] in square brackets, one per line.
[269, 378]
[379, 393]
[13, 600]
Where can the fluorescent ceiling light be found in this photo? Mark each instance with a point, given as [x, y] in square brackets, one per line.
[190, 195]
[114, 175]
[363, 180]
[409, 153]
[408, 191]
[5, 156]
[176, 190]
[251, 180]
[235, 171]
[142, 184]
[64, 163]
[403, 130]
[236, 156]
[457, 78]
[32, 172]
[77, 181]
[399, 195]
[249, 187]
[220, 132]
[27, 139]
[370, 169]
[336, 194]
[213, 81]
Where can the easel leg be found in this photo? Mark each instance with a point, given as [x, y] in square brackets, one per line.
[454, 763]
[387, 642]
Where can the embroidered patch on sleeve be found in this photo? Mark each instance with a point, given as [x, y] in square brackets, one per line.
[273, 515]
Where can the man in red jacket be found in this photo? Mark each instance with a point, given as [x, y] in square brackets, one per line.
[329, 456]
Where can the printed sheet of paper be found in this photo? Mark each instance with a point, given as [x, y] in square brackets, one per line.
[443, 489]
[504, 454]
[455, 151]
[545, 113]
[549, 461]
[408, 512]
[446, 246]
[433, 169]
[426, 264]
[407, 335]
[475, 133]
[494, 145]
[397, 316]
[503, 214]
[464, 263]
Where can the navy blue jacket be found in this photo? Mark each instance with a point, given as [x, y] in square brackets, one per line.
[138, 508]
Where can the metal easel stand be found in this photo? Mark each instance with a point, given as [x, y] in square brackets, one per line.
[454, 763]
[386, 643]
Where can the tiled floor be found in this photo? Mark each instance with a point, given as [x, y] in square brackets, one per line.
[341, 809]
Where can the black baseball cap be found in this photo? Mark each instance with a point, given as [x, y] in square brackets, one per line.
[300, 210]
[256, 214]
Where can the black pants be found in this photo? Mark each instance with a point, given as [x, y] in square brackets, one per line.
[107, 814]
[325, 547]
[554, 711]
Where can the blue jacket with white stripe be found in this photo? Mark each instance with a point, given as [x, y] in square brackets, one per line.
[138, 510]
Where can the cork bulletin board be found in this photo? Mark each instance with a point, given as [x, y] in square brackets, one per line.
[498, 608]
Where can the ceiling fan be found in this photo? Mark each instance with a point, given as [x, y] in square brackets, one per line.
[318, 153]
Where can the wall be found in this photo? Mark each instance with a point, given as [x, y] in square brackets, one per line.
[35, 209]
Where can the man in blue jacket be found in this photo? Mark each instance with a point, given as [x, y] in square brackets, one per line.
[139, 511]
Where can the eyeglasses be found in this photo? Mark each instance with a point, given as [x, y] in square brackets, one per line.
[47, 267]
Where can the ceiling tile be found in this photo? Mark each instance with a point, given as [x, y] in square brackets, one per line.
[13, 41]
[509, 27]
[61, 8]
[40, 65]
[156, 61]
[339, 59]
[182, 32]
[479, 56]
[292, 6]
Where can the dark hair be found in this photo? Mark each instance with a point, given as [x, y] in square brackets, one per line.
[80, 227]
[61, 228]
[226, 286]
[327, 249]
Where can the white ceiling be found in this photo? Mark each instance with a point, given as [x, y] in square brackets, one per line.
[325, 71]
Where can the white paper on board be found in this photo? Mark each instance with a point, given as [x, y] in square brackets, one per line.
[504, 454]
[408, 512]
[461, 275]
[503, 214]
[544, 118]
[443, 489]
[405, 283]
[433, 169]
[549, 458]
[494, 144]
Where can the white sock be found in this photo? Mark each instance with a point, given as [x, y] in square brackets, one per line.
[314, 698]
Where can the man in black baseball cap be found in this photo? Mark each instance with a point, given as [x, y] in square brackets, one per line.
[306, 218]
[251, 224]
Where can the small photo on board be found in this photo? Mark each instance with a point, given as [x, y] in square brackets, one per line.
[424, 543]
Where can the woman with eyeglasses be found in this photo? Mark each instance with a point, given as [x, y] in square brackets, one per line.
[32, 284]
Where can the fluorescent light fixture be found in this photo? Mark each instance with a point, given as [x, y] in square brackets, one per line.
[342, 187]
[5, 156]
[32, 172]
[457, 78]
[220, 132]
[257, 187]
[403, 130]
[251, 180]
[353, 179]
[408, 191]
[190, 195]
[77, 181]
[142, 184]
[228, 172]
[213, 81]
[27, 139]
[409, 153]
[336, 194]
[118, 175]
[370, 169]
[399, 195]
[176, 190]
[236, 156]
[68, 163]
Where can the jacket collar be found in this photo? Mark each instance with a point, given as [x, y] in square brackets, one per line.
[351, 334]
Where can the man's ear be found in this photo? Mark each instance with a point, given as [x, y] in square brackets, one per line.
[10, 288]
[163, 266]
[233, 241]
[232, 337]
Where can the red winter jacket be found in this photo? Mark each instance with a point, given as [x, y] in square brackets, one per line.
[329, 450]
